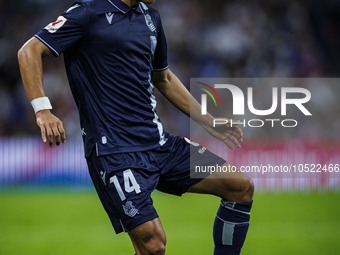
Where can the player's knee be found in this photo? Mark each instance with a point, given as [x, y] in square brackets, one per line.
[158, 250]
[249, 190]
[246, 194]
[156, 247]
[153, 244]
[241, 191]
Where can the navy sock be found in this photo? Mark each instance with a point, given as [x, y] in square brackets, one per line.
[231, 227]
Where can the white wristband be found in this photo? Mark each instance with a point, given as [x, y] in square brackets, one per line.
[41, 103]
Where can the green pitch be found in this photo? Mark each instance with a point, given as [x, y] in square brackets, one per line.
[59, 223]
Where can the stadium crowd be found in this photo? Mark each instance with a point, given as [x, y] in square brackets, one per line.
[218, 38]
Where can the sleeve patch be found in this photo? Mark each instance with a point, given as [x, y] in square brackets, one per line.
[54, 26]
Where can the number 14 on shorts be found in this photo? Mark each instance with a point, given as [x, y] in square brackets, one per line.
[130, 184]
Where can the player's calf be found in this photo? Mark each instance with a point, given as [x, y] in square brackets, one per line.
[232, 218]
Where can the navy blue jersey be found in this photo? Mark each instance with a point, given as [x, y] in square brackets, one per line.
[110, 52]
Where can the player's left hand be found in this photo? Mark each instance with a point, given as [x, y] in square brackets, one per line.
[227, 134]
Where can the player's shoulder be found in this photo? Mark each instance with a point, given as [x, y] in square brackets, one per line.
[77, 7]
[83, 3]
[96, 6]
[83, 10]
[78, 12]
[152, 11]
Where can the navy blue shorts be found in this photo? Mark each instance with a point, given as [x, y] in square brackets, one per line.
[124, 181]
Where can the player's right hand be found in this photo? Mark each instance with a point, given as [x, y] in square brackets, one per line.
[50, 125]
[229, 134]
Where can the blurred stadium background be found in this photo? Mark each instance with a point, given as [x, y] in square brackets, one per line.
[47, 203]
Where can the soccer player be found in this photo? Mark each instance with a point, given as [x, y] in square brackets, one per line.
[115, 54]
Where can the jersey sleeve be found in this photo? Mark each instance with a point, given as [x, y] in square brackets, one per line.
[67, 30]
[161, 57]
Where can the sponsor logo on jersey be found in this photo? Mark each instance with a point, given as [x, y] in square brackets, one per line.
[104, 140]
[102, 175]
[54, 26]
[83, 132]
[129, 209]
[109, 16]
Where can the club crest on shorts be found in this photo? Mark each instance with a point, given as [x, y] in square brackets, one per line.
[149, 22]
[129, 209]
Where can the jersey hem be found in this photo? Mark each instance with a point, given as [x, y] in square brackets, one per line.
[116, 150]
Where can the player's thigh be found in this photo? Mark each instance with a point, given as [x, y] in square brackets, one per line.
[229, 183]
[149, 237]
[124, 193]
[180, 172]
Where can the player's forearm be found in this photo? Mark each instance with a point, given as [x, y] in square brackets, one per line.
[30, 62]
[173, 89]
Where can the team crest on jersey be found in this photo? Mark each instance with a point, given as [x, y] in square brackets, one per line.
[129, 209]
[54, 26]
[149, 22]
